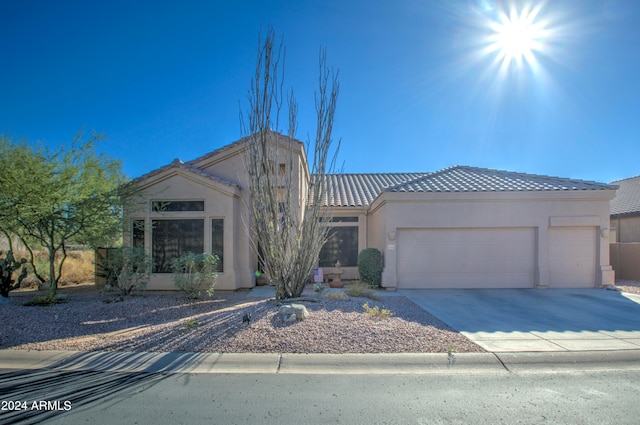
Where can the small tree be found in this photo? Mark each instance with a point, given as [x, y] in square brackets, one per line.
[195, 274]
[288, 221]
[9, 265]
[370, 266]
[50, 199]
[127, 269]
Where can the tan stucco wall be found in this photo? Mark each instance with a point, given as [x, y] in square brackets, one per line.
[627, 229]
[221, 201]
[393, 211]
[625, 259]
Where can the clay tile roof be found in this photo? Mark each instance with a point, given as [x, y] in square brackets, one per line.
[627, 199]
[359, 190]
[471, 179]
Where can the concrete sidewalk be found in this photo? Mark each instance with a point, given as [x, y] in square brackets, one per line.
[403, 363]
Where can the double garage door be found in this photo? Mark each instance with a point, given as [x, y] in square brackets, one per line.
[493, 257]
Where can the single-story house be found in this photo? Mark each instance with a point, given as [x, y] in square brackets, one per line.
[460, 227]
[625, 211]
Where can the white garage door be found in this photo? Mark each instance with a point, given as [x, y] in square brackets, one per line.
[572, 257]
[466, 258]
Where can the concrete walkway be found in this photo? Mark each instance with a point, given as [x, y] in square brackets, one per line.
[536, 320]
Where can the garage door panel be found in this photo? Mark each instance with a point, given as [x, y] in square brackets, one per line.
[572, 257]
[466, 258]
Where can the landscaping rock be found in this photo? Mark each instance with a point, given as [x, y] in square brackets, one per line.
[334, 294]
[293, 312]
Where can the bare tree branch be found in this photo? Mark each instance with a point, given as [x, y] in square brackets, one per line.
[288, 223]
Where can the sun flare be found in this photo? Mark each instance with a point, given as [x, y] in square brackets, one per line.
[516, 37]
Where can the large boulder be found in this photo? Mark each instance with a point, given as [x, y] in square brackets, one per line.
[293, 312]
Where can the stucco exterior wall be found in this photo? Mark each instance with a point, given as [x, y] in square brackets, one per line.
[540, 210]
[220, 201]
[624, 259]
[227, 199]
[627, 229]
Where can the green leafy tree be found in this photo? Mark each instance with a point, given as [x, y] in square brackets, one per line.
[52, 198]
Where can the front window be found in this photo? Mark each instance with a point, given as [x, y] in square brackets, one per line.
[174, 238]
[217, 241]
[177, 206]
[342, 245]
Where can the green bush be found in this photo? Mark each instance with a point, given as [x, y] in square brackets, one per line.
[370, 266]
[362, 290]
[44, 300]
[128, 269]
[195, 274]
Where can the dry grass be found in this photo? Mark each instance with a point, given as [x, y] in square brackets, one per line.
[78, 268]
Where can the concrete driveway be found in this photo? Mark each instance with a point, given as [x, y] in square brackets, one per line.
[523, 320]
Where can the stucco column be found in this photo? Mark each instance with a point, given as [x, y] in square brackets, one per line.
[607, 276]
[389, 276]
[542, 248]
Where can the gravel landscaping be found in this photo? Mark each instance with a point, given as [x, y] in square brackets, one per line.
[628, 286]
[163, 322]
[170, 322]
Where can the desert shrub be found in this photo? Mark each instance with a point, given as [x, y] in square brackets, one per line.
[8, 265]
[370, 266]
[50, 298]
[127, 269]
[362, 290]
[195, 274]
[376, 312]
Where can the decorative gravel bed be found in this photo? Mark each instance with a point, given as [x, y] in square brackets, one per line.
[629, 286]
[170, 322]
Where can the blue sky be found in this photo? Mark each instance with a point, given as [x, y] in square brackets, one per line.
[424, 84]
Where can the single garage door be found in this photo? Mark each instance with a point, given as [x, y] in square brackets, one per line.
[572, 257]
[466, 258]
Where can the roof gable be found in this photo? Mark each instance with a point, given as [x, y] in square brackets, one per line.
[177, 164]
[236, 147]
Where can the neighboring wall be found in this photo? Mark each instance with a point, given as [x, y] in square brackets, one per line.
[625, 229]
[625, 259]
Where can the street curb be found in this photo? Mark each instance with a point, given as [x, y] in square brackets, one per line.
[288, 363]
[560, 361]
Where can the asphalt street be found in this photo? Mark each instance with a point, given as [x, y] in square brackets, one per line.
[178, 398]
